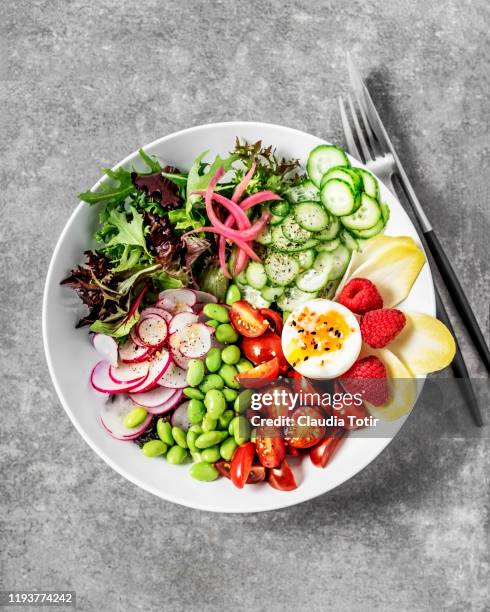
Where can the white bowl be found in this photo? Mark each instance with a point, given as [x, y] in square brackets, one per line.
[70, 354]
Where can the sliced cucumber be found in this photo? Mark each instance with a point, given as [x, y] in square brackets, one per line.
[339, 197]
[305, 259]
[329, 290]
[323, 262]
[306, 191]
[329, 245]
[344, 173]
[312, 280]
[369, 182]
[281, 268]
[371, 231]
[293, 231]
[332, 231]
[275, 220]
[349, 240]
[256, 276]
[341, 257]
[272, 293]
[322, 158]
[265, 236]
[385, 212]
[254, 297]
[280, 209]
[293, 298]
[368, 215]
[312, 216]
[281, 243]
[241, 278]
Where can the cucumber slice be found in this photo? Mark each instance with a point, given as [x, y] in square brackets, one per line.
[329, 290]
[306, 191]
[311, 216]
[341, 257]
[281, 268]
[256, 276]
[265, 236]
[272, 293]
[332, 231]
[344, 173]
[275, 220]
[312, 280]
[339, 198]
[371, 231]
[254, 297]
[294, 297]
[323, 262]
[369, 182]
[368, 215]
[280, 209]
[293, 231]
[329, 245]
[349, 240]
[305, 259]
[385, 212]
[322, 158]
[241, 278]
[281, 243]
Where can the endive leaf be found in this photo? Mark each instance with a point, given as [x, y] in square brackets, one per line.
[425, 344]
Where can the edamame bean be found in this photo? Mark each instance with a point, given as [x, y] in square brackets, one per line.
[213, 359]
[231, 354]
[195, 372]
[164, 431]
[196, 456]
[215, 403]
[232, 295]
[195, 411]
[228, 373]
[211, 381]
[210, 438]
[230, 394]
[227, 449]
[243, 401]
[135, 417]
[154, 448]
[196, 429]
[191, 440]
[208, 423]
[211, 454]
[226, 334]
[244, 365]
[204, 471]
[225, 419]
[216, 311]
[179, 436]
[231, 426]
[176, 455]
[193, 393]
[241, 430]
[212, 323]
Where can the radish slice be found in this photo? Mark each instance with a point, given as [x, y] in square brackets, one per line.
[178, 296]
[129, 352]
[203, 297]
[169, 404]
[195, 340]
[155, 310]
[102, 382]
[157, 368]
[153, 398]
[179, 417]
[112, 417]
[180, 360]
[181, 320]
[133, 334]
[173, 307]
[129, 372]
[106, 346]
[152, 330]
[174, 377]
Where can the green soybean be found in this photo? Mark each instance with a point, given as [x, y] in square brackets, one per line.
[211, 381]
[231, 426]
[231, 354]
[242, 402]
[211, 438]
[230, 394]
[193, 393]
[176, 455]
[244, 365]
[241, 430]
[154, 448]
[195, 411]
[213, 359]
[164, 431]
[212, 323]
[215, 403]
[196, 428]
[208, 423]
[225, 419]
[196, 456]
[232, 295]
[179, 436]
[135, 417]
[215, 311]
[191, 440]
[195, 372]
[227, 449]
[226, 334]
[211, 454]
[228, 374]
[204, 471]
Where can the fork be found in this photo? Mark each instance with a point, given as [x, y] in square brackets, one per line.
[376, 153]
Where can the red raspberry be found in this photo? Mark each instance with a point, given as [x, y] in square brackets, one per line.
[368, 377]
[380, 327]
[360, 295]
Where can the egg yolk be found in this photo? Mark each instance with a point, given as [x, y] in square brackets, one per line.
[317, 334]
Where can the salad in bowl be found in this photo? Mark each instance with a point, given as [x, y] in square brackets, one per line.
[244, 276]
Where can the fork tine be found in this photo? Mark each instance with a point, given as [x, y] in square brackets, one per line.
[349, 136]
[362, 141]
[367, 126]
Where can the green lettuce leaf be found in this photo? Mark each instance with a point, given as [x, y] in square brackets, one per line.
[116, 329]
[198, 180]
[128, 232]
[115, 191]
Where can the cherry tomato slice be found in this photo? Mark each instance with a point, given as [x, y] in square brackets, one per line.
[241, 464]
[321, 454]
[271, 448]
[265, 348]
[304, 434]
[274, 318]
[247, 320]
[282, 477]
[349, 409]
[260, 375]
[257, 473]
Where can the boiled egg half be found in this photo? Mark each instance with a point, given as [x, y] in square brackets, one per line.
[321, 339]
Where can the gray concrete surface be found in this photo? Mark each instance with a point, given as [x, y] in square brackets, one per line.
[83, 84]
